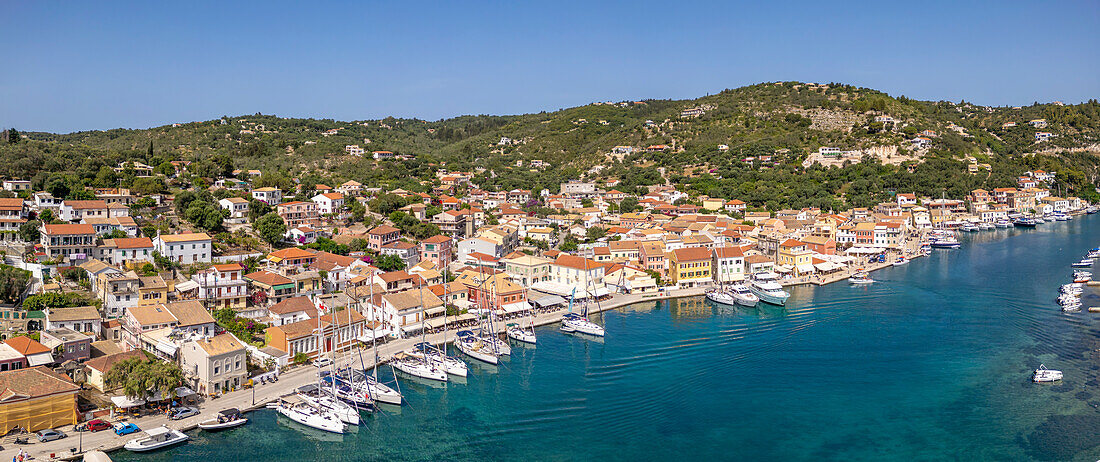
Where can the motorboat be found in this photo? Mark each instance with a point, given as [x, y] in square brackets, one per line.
[986, 226]
[521, 334]
[323, 398]
[1042, 374]
[1082, 276]
[1071, 289]
[450, 364]
[861, 278]
[473, 347]
[1083, 263]
[1024, 222]
[766, 286]
[721, 297]
[374, 389]
[900, 261]
[311, 416]
[1002, 223]
[418, 367]
[156, 438]
[743, 296]
[970, 228]
[946, 242]
[1061, 217]
[227, 418]
[575, 322]
[491, 339]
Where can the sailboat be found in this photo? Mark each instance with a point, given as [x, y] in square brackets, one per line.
[578, 322]
[337, 392]
[369, 383]
[422, 366]
[523, 334]
[473, 347]
[450, 364]
[323, 398]
[488, 333]
[310, 416]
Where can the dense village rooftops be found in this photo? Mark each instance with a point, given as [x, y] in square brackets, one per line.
[185, 237]
[65, 229]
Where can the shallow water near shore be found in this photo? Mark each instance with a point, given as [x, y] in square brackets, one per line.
[931, 362]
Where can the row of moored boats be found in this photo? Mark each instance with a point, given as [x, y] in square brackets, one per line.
[762, 287]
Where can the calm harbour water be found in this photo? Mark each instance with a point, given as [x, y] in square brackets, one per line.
[930, 363]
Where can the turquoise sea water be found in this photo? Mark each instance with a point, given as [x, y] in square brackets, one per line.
[930, 363]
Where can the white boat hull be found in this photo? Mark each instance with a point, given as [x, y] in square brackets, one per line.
[721, 298]
[476, 352]
[213, 425]
[141, 445]
[344, 411]
[323, 421]
[522, 335]
[383, 394]
[769, 297]
[421, 370]
[582, 326]
[450, 365]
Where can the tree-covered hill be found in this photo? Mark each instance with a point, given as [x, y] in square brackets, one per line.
[776, 125]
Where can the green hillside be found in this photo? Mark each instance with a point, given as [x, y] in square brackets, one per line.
[786, 121]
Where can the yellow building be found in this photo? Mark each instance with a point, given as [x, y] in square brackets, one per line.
[36, 399]
[690, 267]
[152, 290]
[712, 203]
[795, 254]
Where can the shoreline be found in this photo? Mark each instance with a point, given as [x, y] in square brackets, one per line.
[296, 376]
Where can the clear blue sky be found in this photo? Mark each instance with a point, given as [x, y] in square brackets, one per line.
[76, 66]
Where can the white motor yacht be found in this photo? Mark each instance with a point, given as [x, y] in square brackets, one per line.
[574, 322]
[322, 398]
[743, 296]
[450, 364]
[473, 347]
[861, 278]
[1042, 374]
[1082, 276]
[418, 367]
[311, 416]
[228, 418]
[156, 438]
[1083, 263]
[767, 287]
[986, 226]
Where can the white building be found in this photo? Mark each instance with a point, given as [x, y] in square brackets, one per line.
[237, 207]
[329, 203]
[185, 248]
[729, 264]
[270, 196]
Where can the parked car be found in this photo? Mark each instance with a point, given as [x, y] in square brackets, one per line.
[49, 435]
[126, 429]
[98, 425]
[183, 413]
[322, 361]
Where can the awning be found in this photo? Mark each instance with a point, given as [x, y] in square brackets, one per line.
[517, 307]
[183, 392]
[166, 348]
[466, 317]
[435, 311]
[783, 269]
[805, 268]
[602, 291]
[825, 267]
[411, 328]
[186, 286]
[548, 300]
[372, 335]
[435, 323]
[39, 359]
[124, 402]
[866, 250]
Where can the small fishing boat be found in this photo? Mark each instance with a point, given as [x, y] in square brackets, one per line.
[861, 278]
[575, 322]
[473, 347]
[310, 416]
[1082, 276]
[227, 418]
[743, 296]
[721, 297]
[1083, 263]
[418, 367]
[156, 438]
[1042, 374]
[900, 261]
[450, 364]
